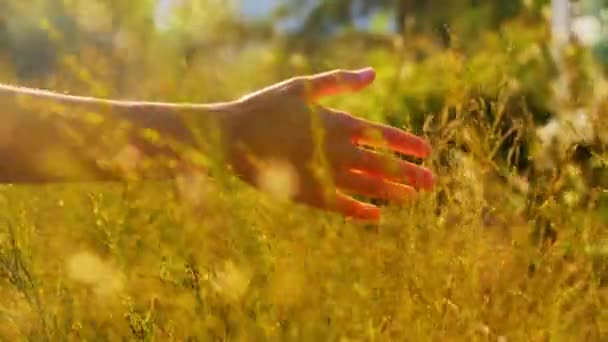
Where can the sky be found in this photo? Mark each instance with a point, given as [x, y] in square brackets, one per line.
[251, 9]
[258, 8]
[261, 8]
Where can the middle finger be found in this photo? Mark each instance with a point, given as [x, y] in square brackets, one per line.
[389, 167]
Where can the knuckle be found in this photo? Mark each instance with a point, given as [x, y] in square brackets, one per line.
[341, 74]
[298, 85]
[299, 80]
[334, 76]
[341, 122]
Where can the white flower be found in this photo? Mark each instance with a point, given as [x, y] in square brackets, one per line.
[231, 281]
[279, 179]
[549, 132]
[88, 268]
[587, 29]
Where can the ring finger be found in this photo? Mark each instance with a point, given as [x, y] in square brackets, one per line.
[360, 183]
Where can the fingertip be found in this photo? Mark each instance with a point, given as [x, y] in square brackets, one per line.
[427, 181]
[426, 149]
[404, 193]
[416, 146]
[367, 213]
[366, 75]
[351, 208]
[432, 181]
[419, 177]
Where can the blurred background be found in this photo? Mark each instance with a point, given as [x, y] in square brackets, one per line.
[544, 58]
[188, 45]
[528, 73]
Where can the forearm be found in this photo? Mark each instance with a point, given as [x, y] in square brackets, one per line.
[46, 136]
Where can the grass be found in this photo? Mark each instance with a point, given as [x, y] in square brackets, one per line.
[197, 259]
[202, 259]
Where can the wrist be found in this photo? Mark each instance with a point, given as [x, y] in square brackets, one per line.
[189, 134]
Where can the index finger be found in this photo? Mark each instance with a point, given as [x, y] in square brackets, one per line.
[384, 136]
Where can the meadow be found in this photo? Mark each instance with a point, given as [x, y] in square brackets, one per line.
[510, 246]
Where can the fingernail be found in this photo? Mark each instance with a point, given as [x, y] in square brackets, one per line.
[425, 148]
[428, 149]
[422, 179]
[367, 75]
[432, 181]
[403, 194]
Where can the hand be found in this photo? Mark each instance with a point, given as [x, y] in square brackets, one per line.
[278, 139]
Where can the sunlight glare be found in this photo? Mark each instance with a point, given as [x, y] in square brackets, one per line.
[88, 268]
[279, 179]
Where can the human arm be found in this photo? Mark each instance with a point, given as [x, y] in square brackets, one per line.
[49, 137]
[279, 132]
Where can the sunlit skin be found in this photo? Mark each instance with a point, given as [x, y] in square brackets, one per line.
[278, 123]
[275, 122]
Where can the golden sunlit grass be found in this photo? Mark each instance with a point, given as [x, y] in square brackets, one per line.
[210, 259]
[138, 260]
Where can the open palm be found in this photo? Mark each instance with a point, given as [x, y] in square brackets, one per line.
[281, 135]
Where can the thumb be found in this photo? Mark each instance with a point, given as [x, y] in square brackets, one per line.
[337, 82]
